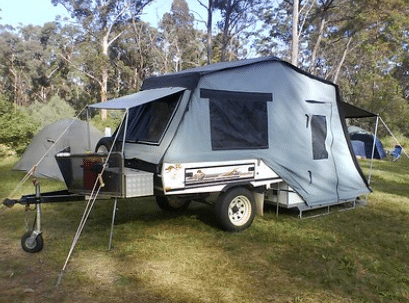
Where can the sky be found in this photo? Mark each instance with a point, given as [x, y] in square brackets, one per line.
[38, 12]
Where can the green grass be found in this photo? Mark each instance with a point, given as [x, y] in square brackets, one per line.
[360, 255]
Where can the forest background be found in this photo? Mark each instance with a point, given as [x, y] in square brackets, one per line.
[104, 50]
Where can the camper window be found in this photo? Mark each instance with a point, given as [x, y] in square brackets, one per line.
[148, 122]
[319, 135]
[238, 120]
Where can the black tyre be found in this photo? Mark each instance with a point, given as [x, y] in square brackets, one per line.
[104, 145]
[172, 204]
[32, 245]
[235, 209]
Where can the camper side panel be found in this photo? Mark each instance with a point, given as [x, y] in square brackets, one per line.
[306, 145]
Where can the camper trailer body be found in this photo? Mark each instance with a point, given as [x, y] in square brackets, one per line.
[233, 134]
[240, 127]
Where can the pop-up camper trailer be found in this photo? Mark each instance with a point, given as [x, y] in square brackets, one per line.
[235, 134]
[248, 124]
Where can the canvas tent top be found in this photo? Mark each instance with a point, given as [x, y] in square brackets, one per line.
[260, 108]
[189, 79]
[142, 97]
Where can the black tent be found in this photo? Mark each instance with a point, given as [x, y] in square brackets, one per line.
[363, 143]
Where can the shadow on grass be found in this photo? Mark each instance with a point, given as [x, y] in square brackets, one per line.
[361, 254]
[146, 210]
[381, 184]
[141, 213]
[387, 176]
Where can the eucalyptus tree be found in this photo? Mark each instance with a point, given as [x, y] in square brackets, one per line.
[13, 61]
[237, 16]
[75, 53]
[49, 65]
[321, 14]
[181, 44]
[362, 51]
[295, 41]
[209, 8]
[27, 64]
[358, 44]
[103, 22]
[136, 57]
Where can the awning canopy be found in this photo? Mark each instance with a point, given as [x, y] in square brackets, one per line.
[352, 111]
[139, 98]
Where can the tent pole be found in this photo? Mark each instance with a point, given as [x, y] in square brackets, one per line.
[91, 201]
[125, 129]
[87, 211]
[112, 224]
[89, 130]
[390, 132]
[373, 149]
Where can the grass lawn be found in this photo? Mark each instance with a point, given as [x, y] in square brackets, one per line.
[360, 255]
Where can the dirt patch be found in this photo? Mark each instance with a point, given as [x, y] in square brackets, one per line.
[23, 277]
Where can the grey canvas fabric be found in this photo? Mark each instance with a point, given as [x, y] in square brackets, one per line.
[137, 99]
[300, 132]
[75, 137]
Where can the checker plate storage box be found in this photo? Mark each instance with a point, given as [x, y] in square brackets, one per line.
[81, 173]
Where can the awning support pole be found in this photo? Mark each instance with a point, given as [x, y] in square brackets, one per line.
[87, 211]
[373, 149]
[91, 201]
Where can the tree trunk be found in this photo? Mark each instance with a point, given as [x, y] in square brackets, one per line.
[317, 45]
[209, 31]
[344, 55]
[224, 47]
[294, 53]
[104, 75]
[225, 37]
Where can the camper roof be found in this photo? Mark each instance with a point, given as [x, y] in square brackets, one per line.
[189, 78]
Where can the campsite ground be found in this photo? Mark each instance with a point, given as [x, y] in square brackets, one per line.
[354, 256]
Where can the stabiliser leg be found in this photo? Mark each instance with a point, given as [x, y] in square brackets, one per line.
[112, 224]
[32, 240]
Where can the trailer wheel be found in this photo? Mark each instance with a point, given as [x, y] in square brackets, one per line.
[104, 145]
[172, 204]
[32, 245]
[235, 209]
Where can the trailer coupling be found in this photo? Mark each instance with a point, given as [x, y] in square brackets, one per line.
[9, 202]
